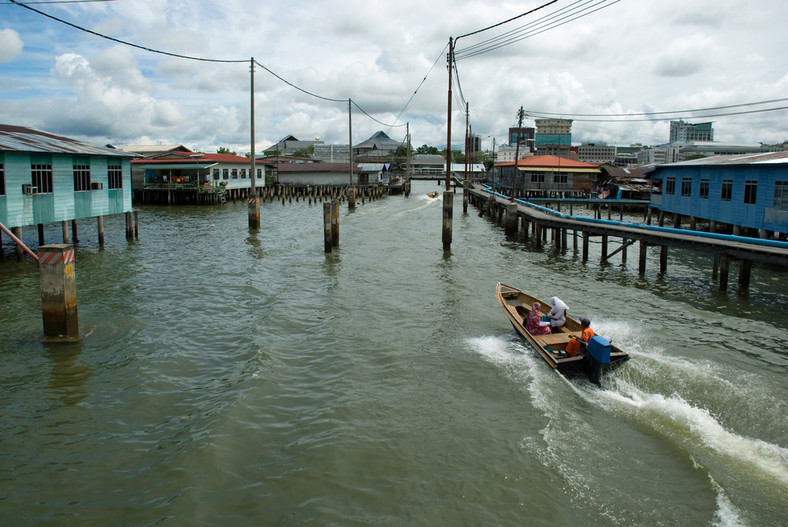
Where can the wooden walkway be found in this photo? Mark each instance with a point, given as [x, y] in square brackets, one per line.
[538, 220]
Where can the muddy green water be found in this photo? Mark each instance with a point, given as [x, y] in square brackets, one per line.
[237, 378]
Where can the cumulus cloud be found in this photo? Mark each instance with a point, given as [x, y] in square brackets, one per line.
[10, 45]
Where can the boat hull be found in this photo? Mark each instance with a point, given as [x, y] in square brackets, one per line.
[516, 305]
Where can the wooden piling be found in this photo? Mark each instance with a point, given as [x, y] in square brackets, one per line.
[100, 227]
[327, 230]
[129, 226]
[64, 226]
[642, 257]
[335, 223]
[18, 249]
[744, 275]
[351, 198]
[253, 211]
[724, 267]
[58, 291]
[510, 226]
[585, 247]
[448, 209]
[663, 259]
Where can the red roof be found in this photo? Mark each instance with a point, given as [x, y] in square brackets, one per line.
[549, 162]
[185, 158]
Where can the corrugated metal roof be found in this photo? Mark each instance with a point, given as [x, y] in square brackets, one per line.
[22, 139]
[760, 158]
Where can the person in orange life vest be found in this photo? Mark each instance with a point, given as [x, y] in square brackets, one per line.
[574, 345]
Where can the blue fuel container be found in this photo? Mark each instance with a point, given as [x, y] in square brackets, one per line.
[599, 348]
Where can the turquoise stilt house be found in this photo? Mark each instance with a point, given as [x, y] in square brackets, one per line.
[46, 178]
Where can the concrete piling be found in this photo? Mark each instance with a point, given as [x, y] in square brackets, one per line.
[58, 291]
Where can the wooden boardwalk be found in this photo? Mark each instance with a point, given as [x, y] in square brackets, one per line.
[537, 221]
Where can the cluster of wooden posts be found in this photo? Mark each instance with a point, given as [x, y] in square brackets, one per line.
[536, 224]
[319, 193]
[132, 232]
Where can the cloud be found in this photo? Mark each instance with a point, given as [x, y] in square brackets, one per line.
[10, 45]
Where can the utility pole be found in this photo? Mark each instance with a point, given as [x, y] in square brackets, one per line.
[351, 193]
[450, 58]
[448, 195]
[254, 203]
[520, 115]
[466, 182]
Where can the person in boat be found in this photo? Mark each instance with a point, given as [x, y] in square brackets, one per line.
[574, 345]
[557, 315]
[534, 324]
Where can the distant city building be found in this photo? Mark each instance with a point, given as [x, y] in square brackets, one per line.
[596, 153]
[332, 153]
[377, 146]
[553, 137]
[505, 153]
[681, 151]
[525, 136]
[289, 145]
[682, 131]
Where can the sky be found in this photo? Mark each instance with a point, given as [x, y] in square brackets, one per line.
[590, 60]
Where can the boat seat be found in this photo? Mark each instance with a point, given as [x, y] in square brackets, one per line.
[556, 338]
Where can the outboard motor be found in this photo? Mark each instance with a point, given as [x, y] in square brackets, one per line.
[599, 348]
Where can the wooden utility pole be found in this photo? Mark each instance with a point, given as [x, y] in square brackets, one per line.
[448, 195]
[520, 115]
[351, 192]
[253, 202]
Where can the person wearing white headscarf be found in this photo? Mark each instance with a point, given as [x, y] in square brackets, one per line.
[558, 313]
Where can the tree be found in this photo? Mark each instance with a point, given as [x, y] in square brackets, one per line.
[424, 149]
[305, 152]
[223, 150]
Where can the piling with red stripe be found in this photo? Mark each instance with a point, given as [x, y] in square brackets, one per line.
[58, 290]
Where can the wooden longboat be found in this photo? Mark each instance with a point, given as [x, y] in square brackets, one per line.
[517, 304]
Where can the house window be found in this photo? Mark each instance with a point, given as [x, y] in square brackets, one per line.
[750, 191]
[42, 177]
[727, 190]
[2, 179]
[704, 188]
[216, 174]
[686, 186]
[81, 167]
[243, 173]
[225, 173]
[114, 176]
[670, 185]
[235, 173]
[560, 177]
[781, 195]
[537, 177]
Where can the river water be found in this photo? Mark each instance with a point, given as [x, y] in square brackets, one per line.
[245, 378]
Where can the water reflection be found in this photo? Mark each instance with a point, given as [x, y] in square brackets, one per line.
[68, 376]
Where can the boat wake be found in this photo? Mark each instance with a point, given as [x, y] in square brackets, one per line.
[693, 405]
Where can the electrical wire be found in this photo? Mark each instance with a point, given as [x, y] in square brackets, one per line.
[663, 113]
[677, 117]
[528, 31]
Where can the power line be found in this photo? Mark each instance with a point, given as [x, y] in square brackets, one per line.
[125, 43]
[562, 16]
[302, 90]
[506, 21]
[663, 113]
[59, 2]
[677, 117]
